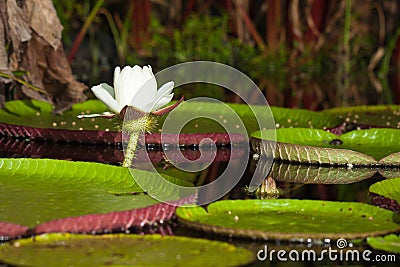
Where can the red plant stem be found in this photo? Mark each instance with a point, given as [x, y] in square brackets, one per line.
[318, 14]
[141, 20]
[272, 24]
[250, 26]
[82, 32]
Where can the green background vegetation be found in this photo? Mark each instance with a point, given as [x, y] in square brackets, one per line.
[313, 55]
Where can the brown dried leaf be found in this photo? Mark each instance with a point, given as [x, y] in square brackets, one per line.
[32, 31]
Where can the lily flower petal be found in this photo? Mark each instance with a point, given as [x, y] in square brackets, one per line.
[146, 91]
[162, 102]
[164, 96]
[105, 93]
[127, 82]
[165, 89]
[116, 83]
[134, 87]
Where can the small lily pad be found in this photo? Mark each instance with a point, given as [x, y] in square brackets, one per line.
[388, 243]
[122, 250]
[386, 194]
[285, 219]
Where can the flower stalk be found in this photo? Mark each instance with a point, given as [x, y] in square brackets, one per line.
[131, 149]
[135, 127]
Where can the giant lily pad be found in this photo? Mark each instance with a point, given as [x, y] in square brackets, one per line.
[301, 118]
[32, 119]
[152, 219]
[283, 117]
[34, 191]
[38, 114]
[388, 243]
[122, 250]
[286, 219]
[386, 194]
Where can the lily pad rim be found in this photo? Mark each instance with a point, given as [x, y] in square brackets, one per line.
[267, 235]
[246, 256]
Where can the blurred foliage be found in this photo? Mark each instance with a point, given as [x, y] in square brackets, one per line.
[202, 38]
[207, 38]
[280, 57]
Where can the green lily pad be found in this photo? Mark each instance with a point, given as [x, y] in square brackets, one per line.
[38, 114]
[299, 136]
[34, 191]
[388, 243]
[376, 143]
[286, 219]
[381, 115]
[284, 117]
[21, 112]
[122, 250]
[389, 188]
[211, 117]
[386, 194]
[301, 118]
[33, 119]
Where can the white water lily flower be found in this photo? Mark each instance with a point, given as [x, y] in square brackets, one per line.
[136, 87]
